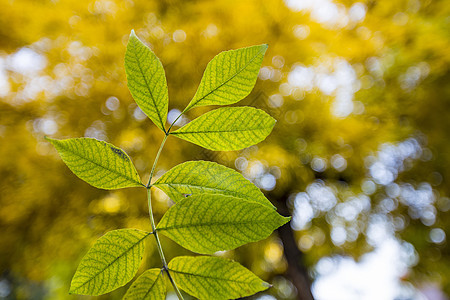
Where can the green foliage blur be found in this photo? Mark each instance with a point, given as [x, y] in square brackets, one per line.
[360, 90]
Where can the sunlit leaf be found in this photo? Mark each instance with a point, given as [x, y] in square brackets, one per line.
[149, 286]
[146, 80]
[111, 262]
[98, 163]
[206, 277]
[206, 223]
[228, 128]
[229, 77]
[198, 177]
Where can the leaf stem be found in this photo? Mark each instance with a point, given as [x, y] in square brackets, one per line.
[177, 291]
[152, 220]
[156, 160]
[158, 244]
[182, 113]
[168, 131]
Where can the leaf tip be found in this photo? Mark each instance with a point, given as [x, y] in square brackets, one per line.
[266, 285]
[50, 140]
[133, 36]
[72, 290]
[263, 48]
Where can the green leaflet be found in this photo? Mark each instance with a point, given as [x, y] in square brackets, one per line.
[228, 128]
[214, 278]
[146, 80]
[198, 177]
[229, 77]
[149, 286]
[98, 163]
[206, 223]
[224, 210]
[111, 262]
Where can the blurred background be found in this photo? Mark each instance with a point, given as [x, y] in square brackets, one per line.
[359, 157]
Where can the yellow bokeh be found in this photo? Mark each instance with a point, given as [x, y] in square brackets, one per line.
[351, 84]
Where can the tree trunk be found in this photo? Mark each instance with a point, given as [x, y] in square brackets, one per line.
[296, 272]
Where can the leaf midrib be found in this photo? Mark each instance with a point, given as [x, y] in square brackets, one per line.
[209, 277]
[235, 194]
[219, 131]
[226, 81]
[154, 283]
[213, 223]
[170, 184]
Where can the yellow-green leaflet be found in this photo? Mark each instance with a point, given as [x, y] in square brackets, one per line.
[149, 286]
[98, 163]
[216, 207]
[228, 128]
[111, 262]
[229, 77]
[198, 177]
[206, 277]
[206, 223]
[147, 80]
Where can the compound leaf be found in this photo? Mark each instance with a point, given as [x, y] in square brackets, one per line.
[228, 128]
[229, 77]
[198, 177]
[206, 223]
[149, 286]
[100, 164]
[146, 80]
[111, 262]
[206, 277]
